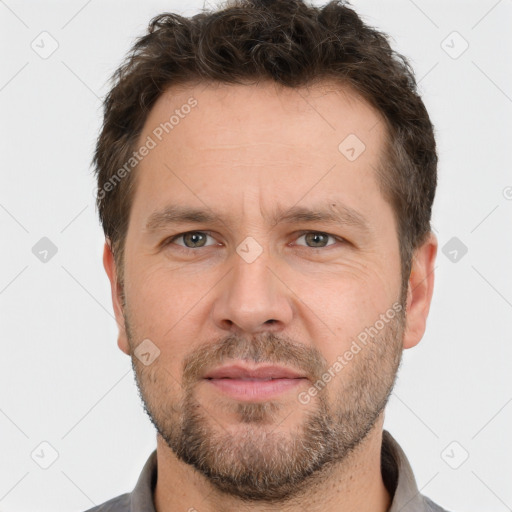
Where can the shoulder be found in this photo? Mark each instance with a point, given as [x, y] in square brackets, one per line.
[118, 504]
[432, 507]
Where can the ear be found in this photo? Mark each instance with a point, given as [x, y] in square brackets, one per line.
[110, 268]
[419, 293]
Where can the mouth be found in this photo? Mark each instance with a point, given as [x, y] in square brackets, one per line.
[242, 382]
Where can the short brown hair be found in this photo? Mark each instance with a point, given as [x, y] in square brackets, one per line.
[293, 44]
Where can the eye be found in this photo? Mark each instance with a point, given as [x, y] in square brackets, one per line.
[317, 239]
[191, 239]
[198, 239]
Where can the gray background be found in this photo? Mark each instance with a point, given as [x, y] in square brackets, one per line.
[63, 379]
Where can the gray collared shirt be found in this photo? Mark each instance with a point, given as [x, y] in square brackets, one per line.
[396, 473]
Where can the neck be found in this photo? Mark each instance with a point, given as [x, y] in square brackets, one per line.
[354, 484]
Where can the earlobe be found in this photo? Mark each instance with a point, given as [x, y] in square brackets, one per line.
[110, 268]
[420, 290]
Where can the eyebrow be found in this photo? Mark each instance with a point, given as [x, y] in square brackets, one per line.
[340, 215]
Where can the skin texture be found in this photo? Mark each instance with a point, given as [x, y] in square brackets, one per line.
[245, 152]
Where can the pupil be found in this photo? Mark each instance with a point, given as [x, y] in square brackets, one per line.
[314, 237]
[193, 237]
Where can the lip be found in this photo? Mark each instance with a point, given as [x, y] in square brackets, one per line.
[244, 372]
[253, 383]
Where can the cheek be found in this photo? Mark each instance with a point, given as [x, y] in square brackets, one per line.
[345, 291]
[165, 304]
[161, 291]
[341, 304]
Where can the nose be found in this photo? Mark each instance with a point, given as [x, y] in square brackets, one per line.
[252, 298]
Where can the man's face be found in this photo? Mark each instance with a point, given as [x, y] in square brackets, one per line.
[241, 289]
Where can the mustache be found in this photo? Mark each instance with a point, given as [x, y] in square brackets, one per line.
[264, 348]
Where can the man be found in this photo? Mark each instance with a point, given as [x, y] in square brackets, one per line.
[266, 175]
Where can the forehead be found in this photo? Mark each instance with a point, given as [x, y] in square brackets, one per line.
[252, 146]
[264, 113]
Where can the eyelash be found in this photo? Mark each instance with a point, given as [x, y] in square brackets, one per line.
[208, 233]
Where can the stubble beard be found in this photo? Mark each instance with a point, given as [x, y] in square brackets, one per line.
[256, 461]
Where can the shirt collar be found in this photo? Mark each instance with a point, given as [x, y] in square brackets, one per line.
[141, 498]
[396, 472]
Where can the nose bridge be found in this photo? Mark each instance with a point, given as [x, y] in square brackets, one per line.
[251, 272]
[251, 294]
